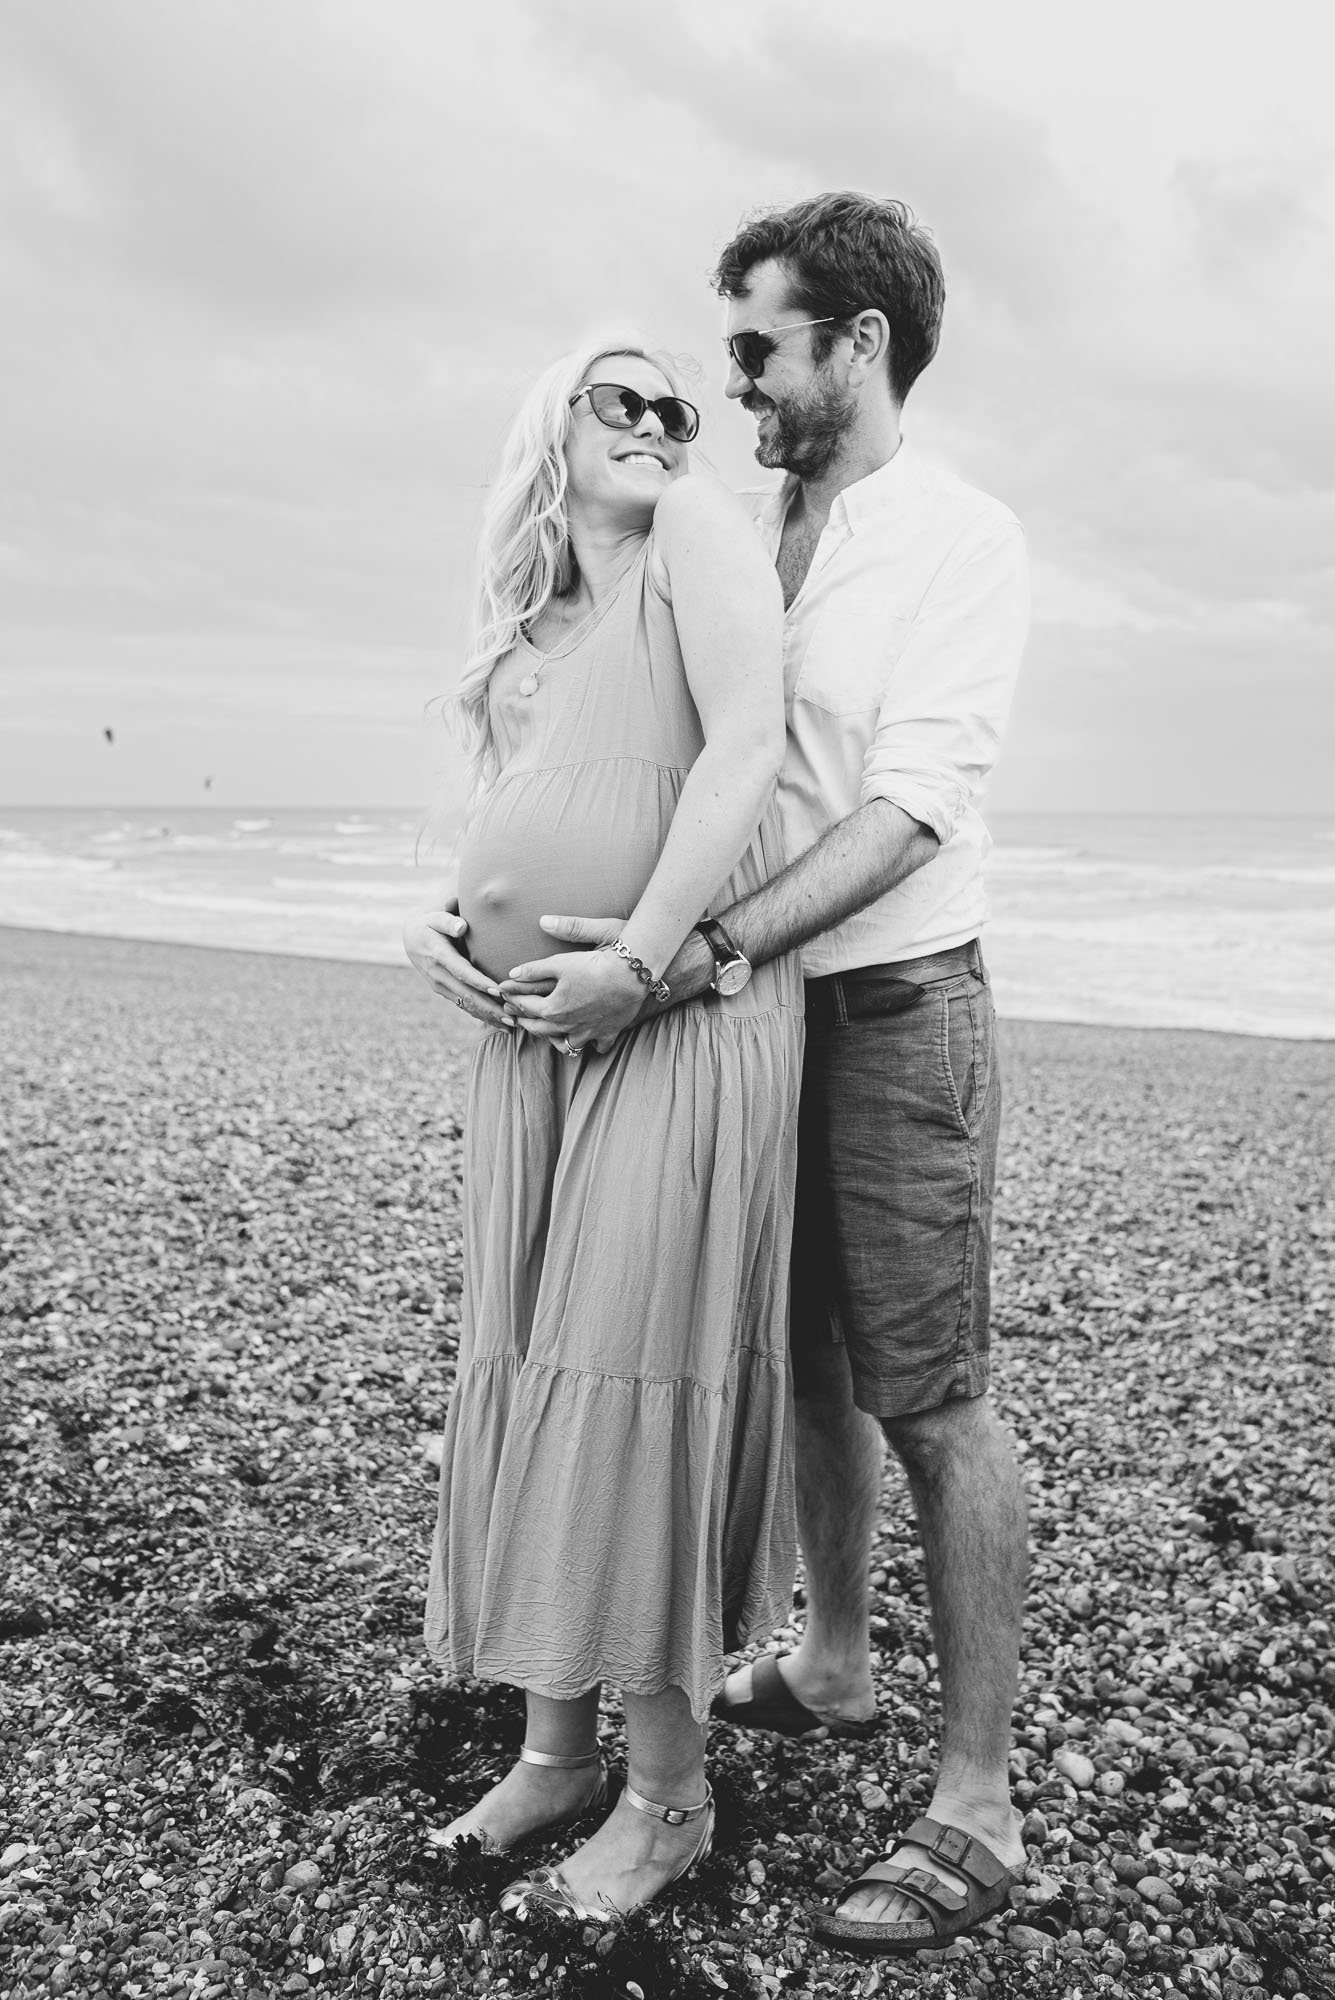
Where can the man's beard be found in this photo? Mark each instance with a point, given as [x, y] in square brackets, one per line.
[805, 435]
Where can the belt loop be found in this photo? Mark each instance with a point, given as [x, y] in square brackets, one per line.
[976, 958]
[840, 1001]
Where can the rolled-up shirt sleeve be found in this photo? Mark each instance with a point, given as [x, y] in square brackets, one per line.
[950, 689]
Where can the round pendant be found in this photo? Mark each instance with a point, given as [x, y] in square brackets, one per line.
[529, 684]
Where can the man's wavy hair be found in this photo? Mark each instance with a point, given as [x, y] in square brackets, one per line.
[844, 253]
[524, 553]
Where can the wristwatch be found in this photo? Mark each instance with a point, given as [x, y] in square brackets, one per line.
[732, 967]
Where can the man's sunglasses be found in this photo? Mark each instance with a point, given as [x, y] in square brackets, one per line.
[622, 409]
[751, 350]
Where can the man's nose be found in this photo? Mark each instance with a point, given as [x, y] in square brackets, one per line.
[737, 384]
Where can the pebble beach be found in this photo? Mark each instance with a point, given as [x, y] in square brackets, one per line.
[229, 1283]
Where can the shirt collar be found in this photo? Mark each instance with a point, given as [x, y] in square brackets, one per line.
[857, 504]
[880, 490]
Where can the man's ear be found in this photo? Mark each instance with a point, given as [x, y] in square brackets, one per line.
[871, 343]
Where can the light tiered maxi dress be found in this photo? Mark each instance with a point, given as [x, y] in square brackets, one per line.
[616, 1491]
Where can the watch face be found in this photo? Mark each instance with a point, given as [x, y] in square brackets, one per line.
[732, 977]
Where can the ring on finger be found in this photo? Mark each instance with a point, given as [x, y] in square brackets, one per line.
[567, 1048]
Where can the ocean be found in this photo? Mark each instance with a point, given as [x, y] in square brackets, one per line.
[1188, 921]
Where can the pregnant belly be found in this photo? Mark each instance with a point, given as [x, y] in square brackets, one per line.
[579, 843]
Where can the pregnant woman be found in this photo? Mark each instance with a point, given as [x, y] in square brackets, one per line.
[615, 1498]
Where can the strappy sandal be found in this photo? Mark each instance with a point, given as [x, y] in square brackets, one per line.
[771, 1704]
[546, 1892]
[445, 1839]
[946, 1911]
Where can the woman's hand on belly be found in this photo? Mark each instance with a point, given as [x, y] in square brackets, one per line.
[433, 940]
[577, 997]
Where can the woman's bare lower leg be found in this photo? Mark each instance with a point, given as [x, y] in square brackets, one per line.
[532, 1796]
[633, 1855]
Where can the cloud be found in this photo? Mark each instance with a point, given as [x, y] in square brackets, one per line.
[1249, 215]
[865, 110]
[271, 280]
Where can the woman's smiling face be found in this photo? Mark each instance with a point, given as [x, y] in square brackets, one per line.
[622, 473]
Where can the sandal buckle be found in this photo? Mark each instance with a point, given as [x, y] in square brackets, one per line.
[952, 1845]
[914, 1879]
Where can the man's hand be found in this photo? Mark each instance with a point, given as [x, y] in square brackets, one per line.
[431, 942]
[583, 930]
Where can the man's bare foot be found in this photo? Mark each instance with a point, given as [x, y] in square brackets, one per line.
[998, 1829]
[834, 1697]
[528, 1799]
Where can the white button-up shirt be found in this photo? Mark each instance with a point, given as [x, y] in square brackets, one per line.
[900, 656]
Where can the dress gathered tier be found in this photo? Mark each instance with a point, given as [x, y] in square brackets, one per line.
[616, 1490]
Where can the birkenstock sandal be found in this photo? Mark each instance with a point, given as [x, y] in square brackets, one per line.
[946, 1911]
[773, 1705]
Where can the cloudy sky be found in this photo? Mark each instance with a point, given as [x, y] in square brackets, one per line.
[273, 276]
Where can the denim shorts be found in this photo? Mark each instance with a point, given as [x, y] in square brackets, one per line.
[896, 1165]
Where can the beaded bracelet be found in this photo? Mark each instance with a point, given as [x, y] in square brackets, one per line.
[660, 989]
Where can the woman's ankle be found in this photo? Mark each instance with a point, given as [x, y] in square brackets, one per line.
[682, 1792]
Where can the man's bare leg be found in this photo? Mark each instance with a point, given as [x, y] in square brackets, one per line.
[972, 1518]
[839, 1458]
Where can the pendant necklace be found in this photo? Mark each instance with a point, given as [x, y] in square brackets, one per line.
[529, 684]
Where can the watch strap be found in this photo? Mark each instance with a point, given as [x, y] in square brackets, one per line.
[723, 947]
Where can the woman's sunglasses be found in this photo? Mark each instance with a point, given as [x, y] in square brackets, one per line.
[621, 409]
[751, 350]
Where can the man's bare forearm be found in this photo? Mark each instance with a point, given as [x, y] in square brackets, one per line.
[872, 851]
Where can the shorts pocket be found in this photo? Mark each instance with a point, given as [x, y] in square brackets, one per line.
[966, 1052]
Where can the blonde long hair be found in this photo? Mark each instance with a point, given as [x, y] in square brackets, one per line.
[524, 553]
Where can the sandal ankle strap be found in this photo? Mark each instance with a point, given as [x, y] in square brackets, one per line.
[555, 1763]
[670, 1815]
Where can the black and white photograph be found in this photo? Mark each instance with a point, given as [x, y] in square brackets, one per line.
[667, 1000]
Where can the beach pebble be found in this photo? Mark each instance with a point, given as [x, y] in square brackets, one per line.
[1025, 1938]
[12, 1856]
[303, 1878]
[1074, 1764]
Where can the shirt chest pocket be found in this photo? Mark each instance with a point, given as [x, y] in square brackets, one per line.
[850, 652]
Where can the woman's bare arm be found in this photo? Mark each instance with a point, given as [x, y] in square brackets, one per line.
[728, 611]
